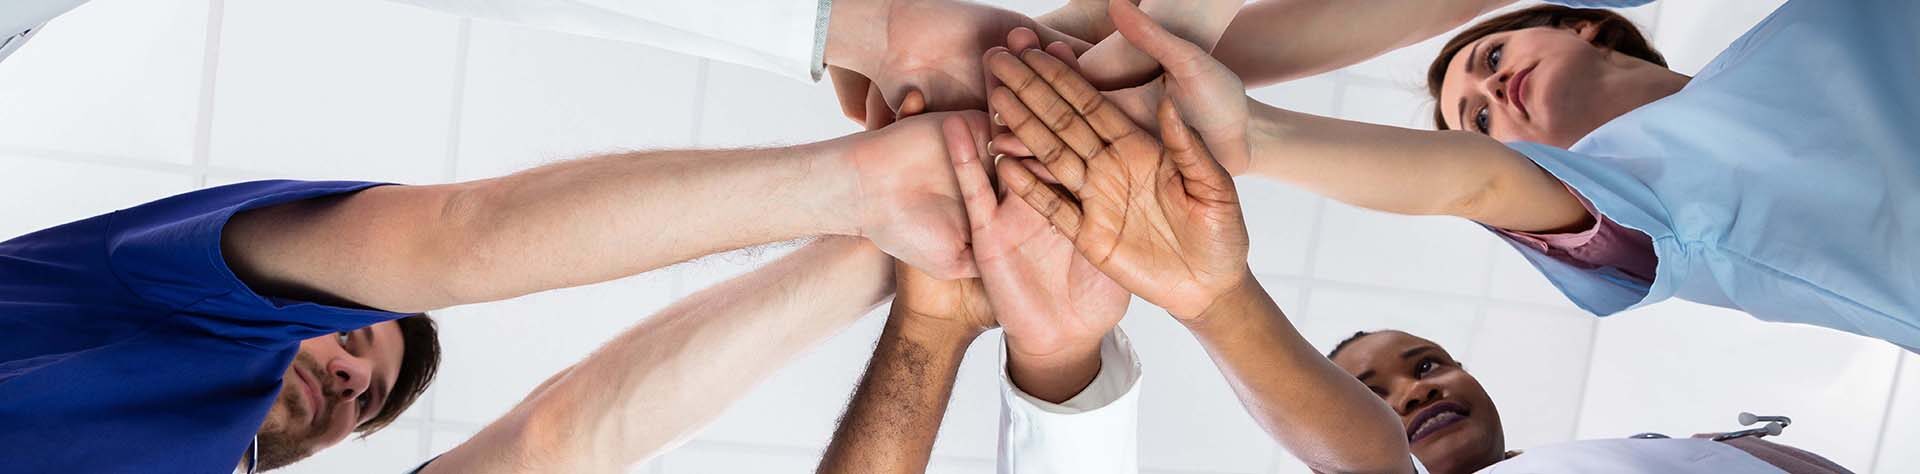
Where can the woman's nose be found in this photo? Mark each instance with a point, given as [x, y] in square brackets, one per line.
[1495, 86]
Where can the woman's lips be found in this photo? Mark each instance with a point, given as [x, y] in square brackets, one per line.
[1517, 91]
[1435, 419]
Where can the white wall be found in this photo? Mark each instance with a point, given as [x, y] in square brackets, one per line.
[125, 101]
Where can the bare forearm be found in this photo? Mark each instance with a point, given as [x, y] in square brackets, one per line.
[1318, 412]
[1407, 171]
[613, 216]
[896, 411]
[418, 248]
[1274, 41]
[663, 379]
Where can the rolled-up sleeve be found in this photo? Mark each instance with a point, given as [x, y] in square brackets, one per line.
[786, 37]
[1095, 431]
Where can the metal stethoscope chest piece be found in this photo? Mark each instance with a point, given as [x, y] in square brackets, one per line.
[1774, 425]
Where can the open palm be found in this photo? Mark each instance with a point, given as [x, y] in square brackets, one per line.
[1162, 219]
[1044, 293]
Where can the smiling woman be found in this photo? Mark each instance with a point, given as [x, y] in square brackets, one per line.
[1453, 426]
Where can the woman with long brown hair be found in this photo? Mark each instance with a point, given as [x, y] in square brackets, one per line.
[1783, 179]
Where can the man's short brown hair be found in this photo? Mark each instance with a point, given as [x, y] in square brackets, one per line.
[419, 360]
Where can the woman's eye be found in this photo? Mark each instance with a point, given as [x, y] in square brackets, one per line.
[343, 337]
[1493, 57]
[1422, 369]
[1482, 119]
[364, 401]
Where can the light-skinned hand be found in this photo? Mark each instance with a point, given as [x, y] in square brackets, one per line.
[930, 46]
[905, 198]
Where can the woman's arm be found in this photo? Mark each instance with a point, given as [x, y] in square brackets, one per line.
[1275, 41]
[1406, 171]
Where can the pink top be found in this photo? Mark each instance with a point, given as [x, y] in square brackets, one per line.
[1606, 244]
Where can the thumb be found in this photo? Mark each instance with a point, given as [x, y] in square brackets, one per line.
[976, 191]
[1173, 53]
[1204, 177]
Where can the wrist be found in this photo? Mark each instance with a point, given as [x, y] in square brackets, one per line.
[1055, 375]
[1232, 305]
[932, 331]
[838, 195]
[857, 34]
[1200, 24]
[1265, 124]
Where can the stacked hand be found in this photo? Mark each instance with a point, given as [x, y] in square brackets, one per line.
[928, 46]
[1159, 216]
[1207, 94]
[1104, 210]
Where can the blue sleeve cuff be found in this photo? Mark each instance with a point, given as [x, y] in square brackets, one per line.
[168, 252]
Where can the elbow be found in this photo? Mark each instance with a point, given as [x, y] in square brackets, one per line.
[450, 251]
[1473, 199]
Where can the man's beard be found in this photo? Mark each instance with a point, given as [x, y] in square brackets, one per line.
[277, 446]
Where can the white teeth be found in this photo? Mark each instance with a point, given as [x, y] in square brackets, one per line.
[1436, 420]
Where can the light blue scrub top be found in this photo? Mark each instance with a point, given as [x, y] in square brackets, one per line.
[1783, 180]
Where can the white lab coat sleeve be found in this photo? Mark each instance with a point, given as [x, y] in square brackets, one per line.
[1095, 431]
[786, 37]
[20, 19]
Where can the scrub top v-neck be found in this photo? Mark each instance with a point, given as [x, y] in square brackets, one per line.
[1783, 180]
[128, 345]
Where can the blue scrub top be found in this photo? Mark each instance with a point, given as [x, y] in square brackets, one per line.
[1783, 180]
[127, 345]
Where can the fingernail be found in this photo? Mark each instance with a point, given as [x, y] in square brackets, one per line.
[996, 120]
[989, 145]
[998, 156]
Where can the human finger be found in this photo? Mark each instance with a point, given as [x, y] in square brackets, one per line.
[1006, 143]
[1064, 53]
[1204, 177]
[1070, 88]
[1060, 211]
[914, 104]
[1062, 160]
[1039, 97]
[879, 115]
[851, 89]
[1174, 54]
[976, 192]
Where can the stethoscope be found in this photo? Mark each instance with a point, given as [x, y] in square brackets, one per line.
[253, 455]
[1774, 425]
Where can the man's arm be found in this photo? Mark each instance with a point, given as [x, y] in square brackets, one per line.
[656, 383]
[1274, 41]
[896, 411]
[417, 248]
